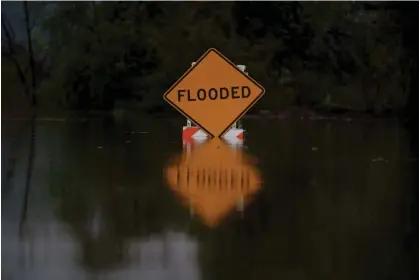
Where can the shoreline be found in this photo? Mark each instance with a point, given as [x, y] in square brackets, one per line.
[290, 114]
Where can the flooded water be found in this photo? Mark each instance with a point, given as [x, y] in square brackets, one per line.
[128, 200]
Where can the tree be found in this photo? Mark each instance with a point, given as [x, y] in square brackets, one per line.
[23, 52]
[97, 52]
[319, 55]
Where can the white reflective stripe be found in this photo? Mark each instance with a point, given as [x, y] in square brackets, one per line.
[242, 67]
[232, 133]
[200, 135]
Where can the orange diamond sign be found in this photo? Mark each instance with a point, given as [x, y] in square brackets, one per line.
[214, 93]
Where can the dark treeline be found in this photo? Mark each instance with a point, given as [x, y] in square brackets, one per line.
[348, 56]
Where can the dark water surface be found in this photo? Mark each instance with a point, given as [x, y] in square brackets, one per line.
[334, 200]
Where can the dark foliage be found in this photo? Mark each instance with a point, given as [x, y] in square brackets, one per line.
[320, 55]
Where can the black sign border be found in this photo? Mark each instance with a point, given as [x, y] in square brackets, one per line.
[191, 69]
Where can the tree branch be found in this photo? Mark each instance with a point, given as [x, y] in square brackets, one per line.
[10, 44]
[31, 54]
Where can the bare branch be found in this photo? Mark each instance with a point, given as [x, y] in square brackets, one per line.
[31, 54]
[11, 45]
[7, 27]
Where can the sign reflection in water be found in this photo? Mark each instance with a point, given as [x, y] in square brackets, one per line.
[214, 178]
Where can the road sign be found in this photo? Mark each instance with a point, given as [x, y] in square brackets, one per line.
[214, 93]
[213, 180]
